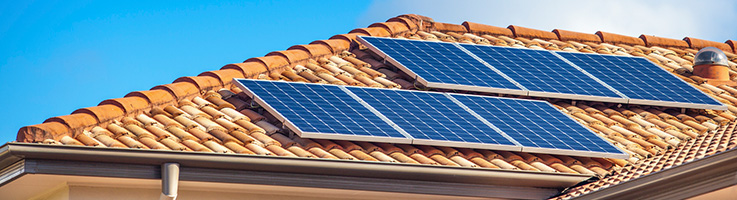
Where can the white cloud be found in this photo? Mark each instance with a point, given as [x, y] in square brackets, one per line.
[711, 20]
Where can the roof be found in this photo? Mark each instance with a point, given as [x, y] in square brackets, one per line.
[208, 113]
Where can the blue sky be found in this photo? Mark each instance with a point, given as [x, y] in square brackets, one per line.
[59, 56]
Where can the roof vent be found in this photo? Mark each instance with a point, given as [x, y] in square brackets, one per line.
[710, 56]
[711, 63]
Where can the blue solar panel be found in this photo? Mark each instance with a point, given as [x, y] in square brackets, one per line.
[639, 79]
[541, 73]
[439, 62]
[320, 109]
[427, 118]
[430, 116]
[539, 70]
[537, 125]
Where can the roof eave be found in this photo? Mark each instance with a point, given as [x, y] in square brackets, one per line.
[680, 182]
[541, 182]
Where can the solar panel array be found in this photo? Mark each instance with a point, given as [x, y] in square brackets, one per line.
[541, 73]
[625, 74]
[425, 118]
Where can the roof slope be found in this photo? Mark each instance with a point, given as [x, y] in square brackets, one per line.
[208, 113]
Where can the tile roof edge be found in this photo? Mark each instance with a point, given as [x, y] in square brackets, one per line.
[689, 179]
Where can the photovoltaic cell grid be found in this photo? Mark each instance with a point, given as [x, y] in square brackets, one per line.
[536, 124]
[622, 79]
[430, 116]
[637, 78]
[342, 112]
[324, 109]
[539, 70]
[440, 62]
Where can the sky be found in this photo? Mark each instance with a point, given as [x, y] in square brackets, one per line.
[59, 56]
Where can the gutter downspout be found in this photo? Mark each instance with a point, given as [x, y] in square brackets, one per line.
[169, 181]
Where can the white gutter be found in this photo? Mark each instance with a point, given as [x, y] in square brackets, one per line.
[12, 152]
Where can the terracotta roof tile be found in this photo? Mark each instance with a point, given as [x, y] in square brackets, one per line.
[483, 29]
[294, 56]
[411, 26]
[619, 39]
[565, 35]
[336, 45]
[273, 63]
[249, 69]
[130, 105]
[102, 113]
[531, 33]
[446, 27]
[651, 40]
[314, 50]
[699, 43]
[394, 28]
[179, 90]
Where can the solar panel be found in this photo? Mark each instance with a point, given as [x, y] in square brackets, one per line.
[538, 126]
[543, 73]
[540, 73]
[320, 111]
[425, 118]
[433, 119]
[642, 81]
[441, 65]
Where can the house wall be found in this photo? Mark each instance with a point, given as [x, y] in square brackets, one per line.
[60, 192]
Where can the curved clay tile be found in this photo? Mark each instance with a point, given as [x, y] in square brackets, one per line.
[272, 63]
[446, 27]
[102, 113]
[651, 40]
[483, 29]
[612, 38]
[294, 56]
[699, 43]
[128, 104]
[75, 122]
[424, 23]
[204, 83]
[154, 97]
[733, 44]
[519, 31]
[336, 45]
[565, 35]
[394, 28]
[315, 50]
[418, 17]
[40, 132]
[224, 75]
[249, 70]
[180, 90]
[372, 31]
[407, 23]
[351, 38]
